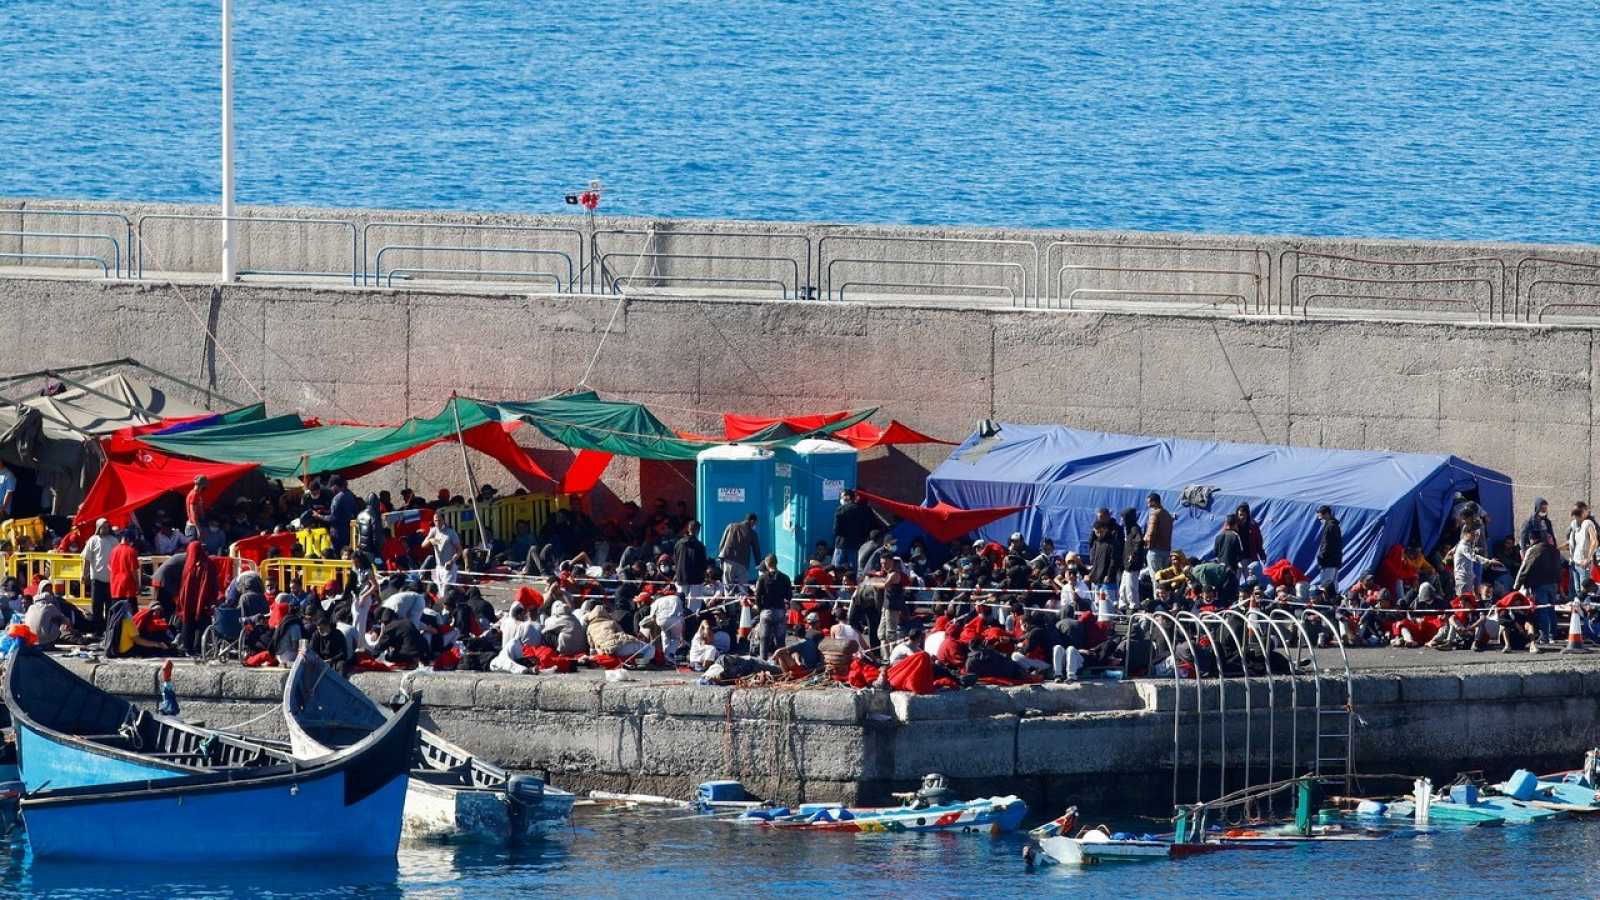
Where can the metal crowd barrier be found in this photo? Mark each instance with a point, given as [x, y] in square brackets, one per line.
[501, 516]
[282, 571]
[65, 571]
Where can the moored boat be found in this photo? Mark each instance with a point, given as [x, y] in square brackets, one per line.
[341, 806]
[933, 807]
[452, 794]
[71, 734]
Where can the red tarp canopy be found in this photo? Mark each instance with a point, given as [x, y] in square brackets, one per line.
[943, 521]
[130, 480]
[860, 436]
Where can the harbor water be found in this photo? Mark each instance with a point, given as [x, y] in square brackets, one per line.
[1429, 119]
[662, 855]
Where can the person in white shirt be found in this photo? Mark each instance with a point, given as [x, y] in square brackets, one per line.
[667, 610]
[168, 540]
[407, 603]
[1582, 541]
[706, 646]
[446, 547]
[1074, 592]
[517, 634]
[97, 572]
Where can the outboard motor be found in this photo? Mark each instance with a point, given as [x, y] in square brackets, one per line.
[935, 791]
[526, 789]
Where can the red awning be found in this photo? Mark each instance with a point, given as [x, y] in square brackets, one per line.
[943, 521]
[860, 436]
[129, 481]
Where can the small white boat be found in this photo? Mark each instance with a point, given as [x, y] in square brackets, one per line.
[451, 793]
[1096, 845]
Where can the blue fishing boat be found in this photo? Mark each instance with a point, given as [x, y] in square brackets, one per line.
[71, 734]
[452, 794]
[342, 806]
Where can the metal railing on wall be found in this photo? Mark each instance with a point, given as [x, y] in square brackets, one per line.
[790, 251]
[1235, 273]
[354, 273]
[1364, 279]
[529, 240]
[936, 255]
[1573, 295]
[119, 234]
[834, 265]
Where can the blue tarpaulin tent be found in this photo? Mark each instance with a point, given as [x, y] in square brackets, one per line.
[1065, 474]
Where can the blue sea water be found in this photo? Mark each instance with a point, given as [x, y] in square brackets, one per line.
[665, 857]
[1424, 119]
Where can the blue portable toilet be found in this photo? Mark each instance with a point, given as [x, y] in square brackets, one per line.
[808, 478]
[731, 482]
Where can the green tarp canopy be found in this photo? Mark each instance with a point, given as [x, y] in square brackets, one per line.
[286, 446]
[585, 422]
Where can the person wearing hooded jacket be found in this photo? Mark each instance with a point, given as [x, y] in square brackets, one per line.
[370, 532]
[1133, 556]
[1536, 529]
[1539, 576]
[563, 631]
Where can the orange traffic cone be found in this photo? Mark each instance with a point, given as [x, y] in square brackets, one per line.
[1575, 631]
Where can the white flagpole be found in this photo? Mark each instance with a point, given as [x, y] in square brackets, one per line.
[230, 263]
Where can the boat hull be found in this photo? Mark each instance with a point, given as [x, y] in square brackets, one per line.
[45, 761]
[435, 812]
[994, 814]
[304, 819]
[1078, 852]
[453, 795]
[345, 805]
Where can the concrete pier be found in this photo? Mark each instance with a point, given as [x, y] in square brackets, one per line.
[1052, 744]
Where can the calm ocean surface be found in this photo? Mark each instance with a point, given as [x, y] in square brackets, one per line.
[1426, 119]
[659, 857]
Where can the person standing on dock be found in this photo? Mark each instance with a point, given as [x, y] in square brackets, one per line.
[1158, 534]
[194, 506]
[97, 573]
[738, 546]
[1330, 547]
[689, 561]
[1536, 529]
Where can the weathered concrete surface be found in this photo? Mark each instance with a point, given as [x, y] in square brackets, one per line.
[1517, 398]
[1051, 743]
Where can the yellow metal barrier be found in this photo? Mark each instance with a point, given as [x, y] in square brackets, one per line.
[65, 571]
[501, 516]
[14, 530]
[281, 571]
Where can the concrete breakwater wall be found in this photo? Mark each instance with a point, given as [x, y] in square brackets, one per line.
[1519, 398]
[797, 260]
[1053, 744]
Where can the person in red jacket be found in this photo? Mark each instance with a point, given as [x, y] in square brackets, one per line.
[125, 580]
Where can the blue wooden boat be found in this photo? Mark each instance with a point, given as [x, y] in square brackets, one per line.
[452, 793]
[343, 806]
[70, 733]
